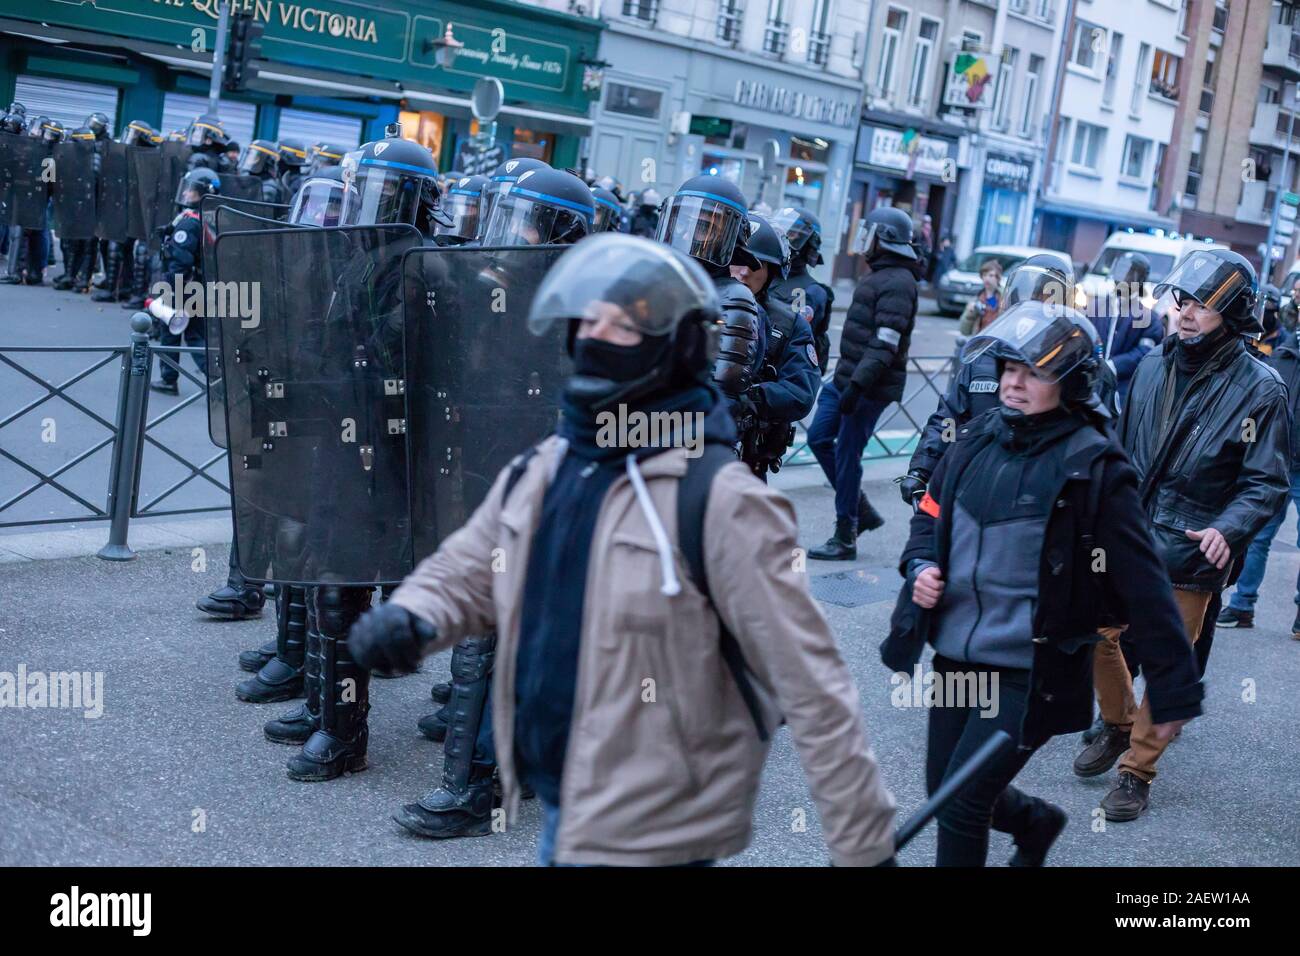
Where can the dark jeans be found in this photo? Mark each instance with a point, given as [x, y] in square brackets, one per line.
[955, 734]
[1252, 573]
[193, 336]
[837, 441]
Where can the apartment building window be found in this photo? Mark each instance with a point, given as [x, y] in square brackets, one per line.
[1043, 10]
[971, 41]
[731, 16]
[633, 100]
[1157, 174]
[819, 37]
[1029, 111]
[646, 10]
[1207, 81]
[1112, 69]
[1002, 95]
[1182, 19]
[1164, 74]
[1088, 42]
[1269, 94]
[777, 31]
[1220, 22]
[1193, 186]
[1133, 162]
[895, 24]
[1139, 80]
[918, 89]
[1089, 143]
[1019, 6]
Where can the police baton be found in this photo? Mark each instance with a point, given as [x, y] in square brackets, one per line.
[995, 747]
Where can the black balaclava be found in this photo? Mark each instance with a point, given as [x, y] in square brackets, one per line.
[1191, 354]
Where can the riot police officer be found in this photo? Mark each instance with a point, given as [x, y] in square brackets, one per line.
[79, 254]
[124, 276]
[463, 203]
[181, 254]
[29, 249]
[810, 299]
[788, 383]
[707, 219]
[503, 177]
[645, 219]
[208, 140]
[320, 200]
[323, 156]
[294, 164]
[261, 160]
[609, 211]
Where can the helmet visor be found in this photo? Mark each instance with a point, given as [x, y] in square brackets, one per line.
[381, 194]
[1035, 284]
[257, 159]
[462, 207]
[1043, 336]
[1209, 279]
[200, 133]
[623, 281]
[864, 238]
[607, 216]
[702, 226]
[319, 203]
[796, 228]
[518, 220]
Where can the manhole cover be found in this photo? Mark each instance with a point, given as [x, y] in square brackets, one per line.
[853, 588]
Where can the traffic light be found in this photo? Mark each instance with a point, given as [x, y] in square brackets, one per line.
[245, 46]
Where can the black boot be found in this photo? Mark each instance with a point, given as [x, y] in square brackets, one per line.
[297, 726]
[462, 805]
[137, 287]
[254, 660]
[869, 518]
[841, 546]
[1093, 732]
[338, 745]
[114, 264]
[64, 282]
[1100, 755]
[1128, 800]
[441, 692]
[1036, 833]
[230, 603]
[434, 726]
[281, 678]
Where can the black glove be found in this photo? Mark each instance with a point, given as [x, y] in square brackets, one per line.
[390, 638]
[849, 399]
[912, 485]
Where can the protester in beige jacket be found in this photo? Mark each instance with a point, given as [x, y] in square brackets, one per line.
[650, 754]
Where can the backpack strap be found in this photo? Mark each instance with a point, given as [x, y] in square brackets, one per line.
[518, 465]
[692, 504]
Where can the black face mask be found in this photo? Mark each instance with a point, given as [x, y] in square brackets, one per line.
[604, 373]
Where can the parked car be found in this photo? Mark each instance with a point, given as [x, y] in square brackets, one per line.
[956, 286]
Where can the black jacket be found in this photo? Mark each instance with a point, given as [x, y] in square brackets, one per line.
[1285, 360]
[740, 346]
[1218, 457]
[813, 302]
[878, 329]
[972, 390]
[1073, 599]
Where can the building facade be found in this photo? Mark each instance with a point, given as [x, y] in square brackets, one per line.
[1119, 91]
[336, 70]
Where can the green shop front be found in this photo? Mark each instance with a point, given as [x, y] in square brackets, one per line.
[326, 71]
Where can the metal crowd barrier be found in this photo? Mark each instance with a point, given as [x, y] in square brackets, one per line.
[130, 432]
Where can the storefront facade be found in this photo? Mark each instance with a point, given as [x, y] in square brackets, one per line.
[1005, 208]
[332, 70]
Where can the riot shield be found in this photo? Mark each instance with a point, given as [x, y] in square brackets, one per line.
[220, 216]
[32, 176]
[241, 187]
[480, 388]
[173, 162]
[74, 189]
[144, 166]
[315, 418]
[112, 192]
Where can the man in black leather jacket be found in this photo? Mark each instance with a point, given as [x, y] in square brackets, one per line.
[1206, 427]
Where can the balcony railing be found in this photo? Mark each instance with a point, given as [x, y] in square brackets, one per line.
[1282, 51]
[729, 24]
[647, 10]
[819, 48]
[775, 37]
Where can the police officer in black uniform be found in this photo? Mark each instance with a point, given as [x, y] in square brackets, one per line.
[645, 218]
[118, 257]
[79, 254]
[609, 211]
[29, 249]
[209, 142]
[463, 204]
[261, 160]
[295, 162]
[543, 206]
[707, 219]
[790, 377]
[181, 253]
[805, 296]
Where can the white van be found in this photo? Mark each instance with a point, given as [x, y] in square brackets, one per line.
[1161, 249]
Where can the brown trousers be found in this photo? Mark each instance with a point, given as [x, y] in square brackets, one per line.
[1114, 686]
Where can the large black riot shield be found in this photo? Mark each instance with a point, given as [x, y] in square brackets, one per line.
[315, 418]
[74, 189]
[144, 165]
[221, 214]
[32, 173]
[480, 388]
[241, 187]
[173, 163]
[113, 192]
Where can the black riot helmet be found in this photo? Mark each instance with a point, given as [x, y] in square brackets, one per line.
[609, 211]
[16, 109]
[1056, 342]
[196, 184]
[612, 185]
[14, 121]
[1040, 278]
[885, 229]
[503, 177]
[140, 133]
[803, 231]
[326, 154]
[391, 181]
[707, 219]
[98, 124]
[207, 134]
[1220, 280]
[463, 203]
[543, 206]
[769, 247]
[261, 158]
[645, 287]
[46, 130]
[82, 134]
[293, 154]
[319, 200]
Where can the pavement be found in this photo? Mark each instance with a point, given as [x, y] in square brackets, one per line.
[175, 769]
